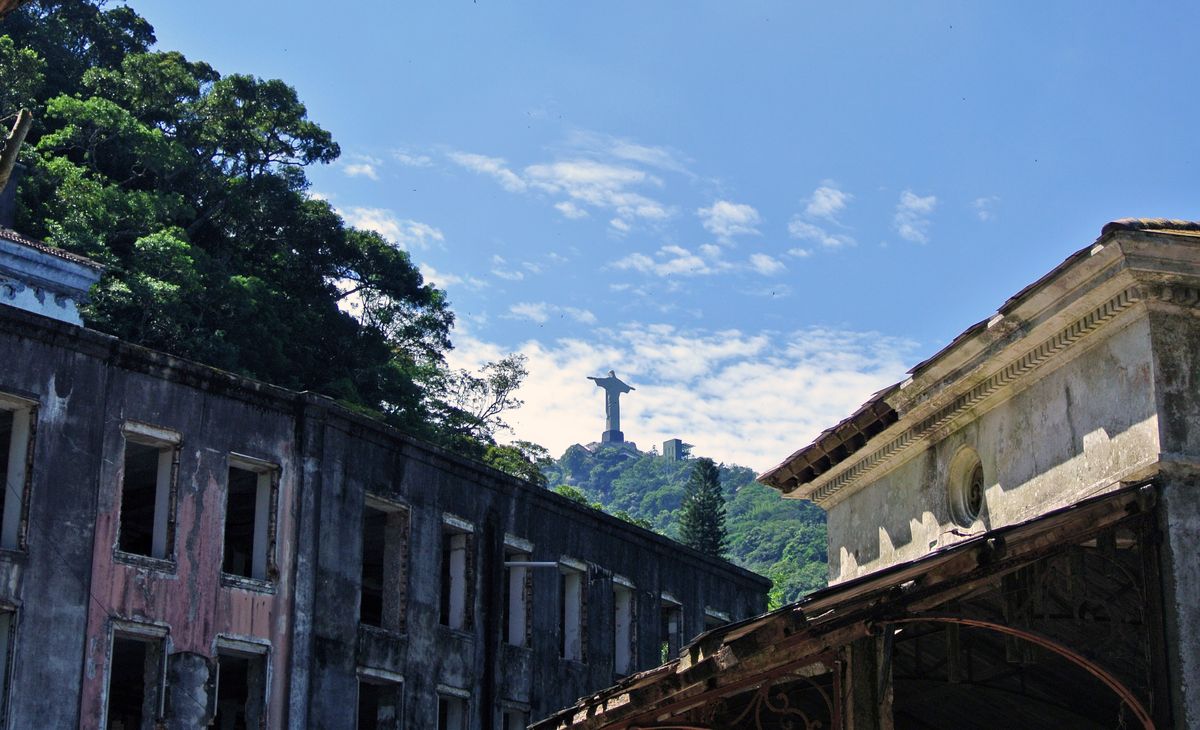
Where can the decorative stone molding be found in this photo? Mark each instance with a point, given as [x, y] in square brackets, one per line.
[1031, 360]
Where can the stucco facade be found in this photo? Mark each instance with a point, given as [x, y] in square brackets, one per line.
[244, 555]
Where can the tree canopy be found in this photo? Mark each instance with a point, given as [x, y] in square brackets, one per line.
[190, 186]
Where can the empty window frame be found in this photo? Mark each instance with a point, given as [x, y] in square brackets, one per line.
[515, 719]
[384, 586]
[670, 627]
[457, 573]
[148, 476]
[136, 670]
[452, 709]
[18, 419]
[380, 700]
[241, 687]
[8, 621]
[572, 610]
[518, 586]
[250, 501]
[714, 618]
[623, 627]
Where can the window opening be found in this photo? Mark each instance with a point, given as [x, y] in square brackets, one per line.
[383, 595]
[714, 619]
[670, 629]
[149, 465]
[249, 520]
[966, 487]
[241, 690]
[7, 622]
[452, 713]
[380, 704]
[16, 430]
[571, 613]
[456, 577]
[516, 603]
[622, 629]
[515, 720]
[134, 682]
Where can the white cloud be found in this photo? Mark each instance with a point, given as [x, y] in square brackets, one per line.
[541, 312]
[675, 261]
[725, 219]
[410, 159]
[583, 316]
[912, 216]
[827, 201]
[600, 185]
[494, 167]
[500, 269]
[800, 253]
[570, 210]
[533, 311]
[719, 390]
[606, 146]
[405, 233]
[806, 231]
[766, 265]
[985, 207]
[444, 280]
[620, 225]
[824, 205]
[362, 166]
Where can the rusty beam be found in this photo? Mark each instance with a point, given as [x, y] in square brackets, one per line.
[1124, 693]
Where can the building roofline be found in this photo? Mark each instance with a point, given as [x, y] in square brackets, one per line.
[837, 444]
[214, 380]
[12, 236]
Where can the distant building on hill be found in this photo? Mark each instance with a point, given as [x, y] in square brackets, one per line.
[676, 450]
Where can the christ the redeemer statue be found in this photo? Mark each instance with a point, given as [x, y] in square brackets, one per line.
[613, 388]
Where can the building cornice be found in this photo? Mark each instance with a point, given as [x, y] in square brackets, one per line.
[1125, 269]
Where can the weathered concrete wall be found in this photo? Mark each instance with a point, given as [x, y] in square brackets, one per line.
[87, 386]
[1078, 427]
[48, 582]
[70, 586]
[359, 459]
[1176, 339]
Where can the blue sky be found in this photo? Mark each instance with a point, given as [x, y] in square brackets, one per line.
[757, 213]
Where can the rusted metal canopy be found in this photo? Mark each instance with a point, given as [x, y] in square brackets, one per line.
[757, 650]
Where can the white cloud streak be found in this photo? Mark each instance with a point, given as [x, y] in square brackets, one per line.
[725, 219]
[494, 167]
[912, 218]
[404, 233]
[985, 207]
[819, 222]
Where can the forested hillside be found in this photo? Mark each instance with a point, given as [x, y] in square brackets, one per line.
[782, 539]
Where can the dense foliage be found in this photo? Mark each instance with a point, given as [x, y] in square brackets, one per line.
[189, 185]
[782, 539]
[702, 515]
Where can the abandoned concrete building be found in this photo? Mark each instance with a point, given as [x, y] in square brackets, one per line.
[1013, 530]
[181, 546]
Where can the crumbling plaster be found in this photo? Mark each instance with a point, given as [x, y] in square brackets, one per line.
[1077, 430]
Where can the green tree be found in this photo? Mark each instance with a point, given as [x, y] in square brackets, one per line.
[522, 459]
[702, 516]
[190, 186]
